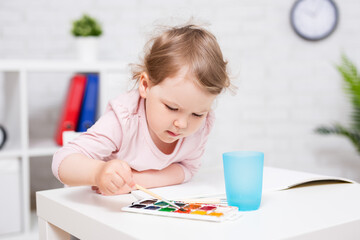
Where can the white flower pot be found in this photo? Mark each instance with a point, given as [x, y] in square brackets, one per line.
[87, 48]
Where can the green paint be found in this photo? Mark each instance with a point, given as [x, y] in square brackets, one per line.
[162, 204]
[167, 209]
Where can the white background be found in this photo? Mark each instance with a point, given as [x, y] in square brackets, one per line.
[286, 86]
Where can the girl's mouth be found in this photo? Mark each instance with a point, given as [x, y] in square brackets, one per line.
[172, 134]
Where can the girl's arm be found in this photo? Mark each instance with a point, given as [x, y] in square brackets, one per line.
[171, 175]
[115, 176]
[112, 177]
[77, 169]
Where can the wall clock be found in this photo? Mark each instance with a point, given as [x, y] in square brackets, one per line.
[314, 19]
[2, 136]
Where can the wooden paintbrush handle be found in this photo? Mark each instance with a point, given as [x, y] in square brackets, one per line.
[148, 192]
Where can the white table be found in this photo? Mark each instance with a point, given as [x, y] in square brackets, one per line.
[327, 211]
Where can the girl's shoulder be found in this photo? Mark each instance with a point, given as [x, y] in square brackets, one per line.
[125, 105]
[208, 124]
[210, 119]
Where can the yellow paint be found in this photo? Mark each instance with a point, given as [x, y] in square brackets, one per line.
[199, 212]
[216, 214]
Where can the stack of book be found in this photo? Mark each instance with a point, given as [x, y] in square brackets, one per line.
[79, 109]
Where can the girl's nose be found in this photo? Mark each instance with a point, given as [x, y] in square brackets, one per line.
[181, 123]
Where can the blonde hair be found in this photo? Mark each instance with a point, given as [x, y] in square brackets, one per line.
[190, 46]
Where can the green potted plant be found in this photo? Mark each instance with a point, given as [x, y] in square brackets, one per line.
[351, 81]
[87, 31]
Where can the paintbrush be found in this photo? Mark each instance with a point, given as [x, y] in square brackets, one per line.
[157, 196]
[202, 200]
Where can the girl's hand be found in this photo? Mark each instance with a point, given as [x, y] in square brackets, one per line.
[114, 177]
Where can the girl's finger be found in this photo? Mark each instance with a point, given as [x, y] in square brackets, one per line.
[107, 191]
[125, 172]
[111, 187]
[125, 189]
[118, 181]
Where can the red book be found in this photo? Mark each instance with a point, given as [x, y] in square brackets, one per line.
[71, 108]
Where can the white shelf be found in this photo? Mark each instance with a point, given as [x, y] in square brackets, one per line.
[42, 147]
[59, 65]
[16, 74]
[32, 234]
[10, 153]
[37, 148]
[11, 150]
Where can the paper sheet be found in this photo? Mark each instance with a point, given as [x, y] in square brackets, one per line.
[210, 183]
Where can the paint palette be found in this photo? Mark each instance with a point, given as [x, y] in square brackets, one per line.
[199, 211]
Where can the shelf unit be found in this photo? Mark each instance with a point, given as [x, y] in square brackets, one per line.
[16, 112]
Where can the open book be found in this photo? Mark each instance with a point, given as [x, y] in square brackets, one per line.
[209, 183]
[281, 179]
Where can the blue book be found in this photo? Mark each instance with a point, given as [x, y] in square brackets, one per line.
[89, 105]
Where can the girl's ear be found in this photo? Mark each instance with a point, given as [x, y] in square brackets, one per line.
[144, 84]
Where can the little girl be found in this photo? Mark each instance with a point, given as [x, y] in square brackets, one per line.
[154, 135]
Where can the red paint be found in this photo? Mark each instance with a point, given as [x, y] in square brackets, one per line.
[207, 208]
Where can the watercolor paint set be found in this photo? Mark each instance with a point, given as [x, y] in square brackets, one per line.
[198, 211]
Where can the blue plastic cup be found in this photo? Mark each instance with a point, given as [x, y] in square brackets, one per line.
[243, 172]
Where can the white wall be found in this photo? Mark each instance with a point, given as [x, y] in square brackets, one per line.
[287, 86]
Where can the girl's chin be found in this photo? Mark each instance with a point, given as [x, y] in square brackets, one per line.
[168, 139]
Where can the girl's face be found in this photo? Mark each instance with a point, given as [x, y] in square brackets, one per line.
[175, 108]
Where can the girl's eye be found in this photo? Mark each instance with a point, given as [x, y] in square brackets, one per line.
[197, 115]
[170, 108]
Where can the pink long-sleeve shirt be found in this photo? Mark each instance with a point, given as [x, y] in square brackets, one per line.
[122, 133]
